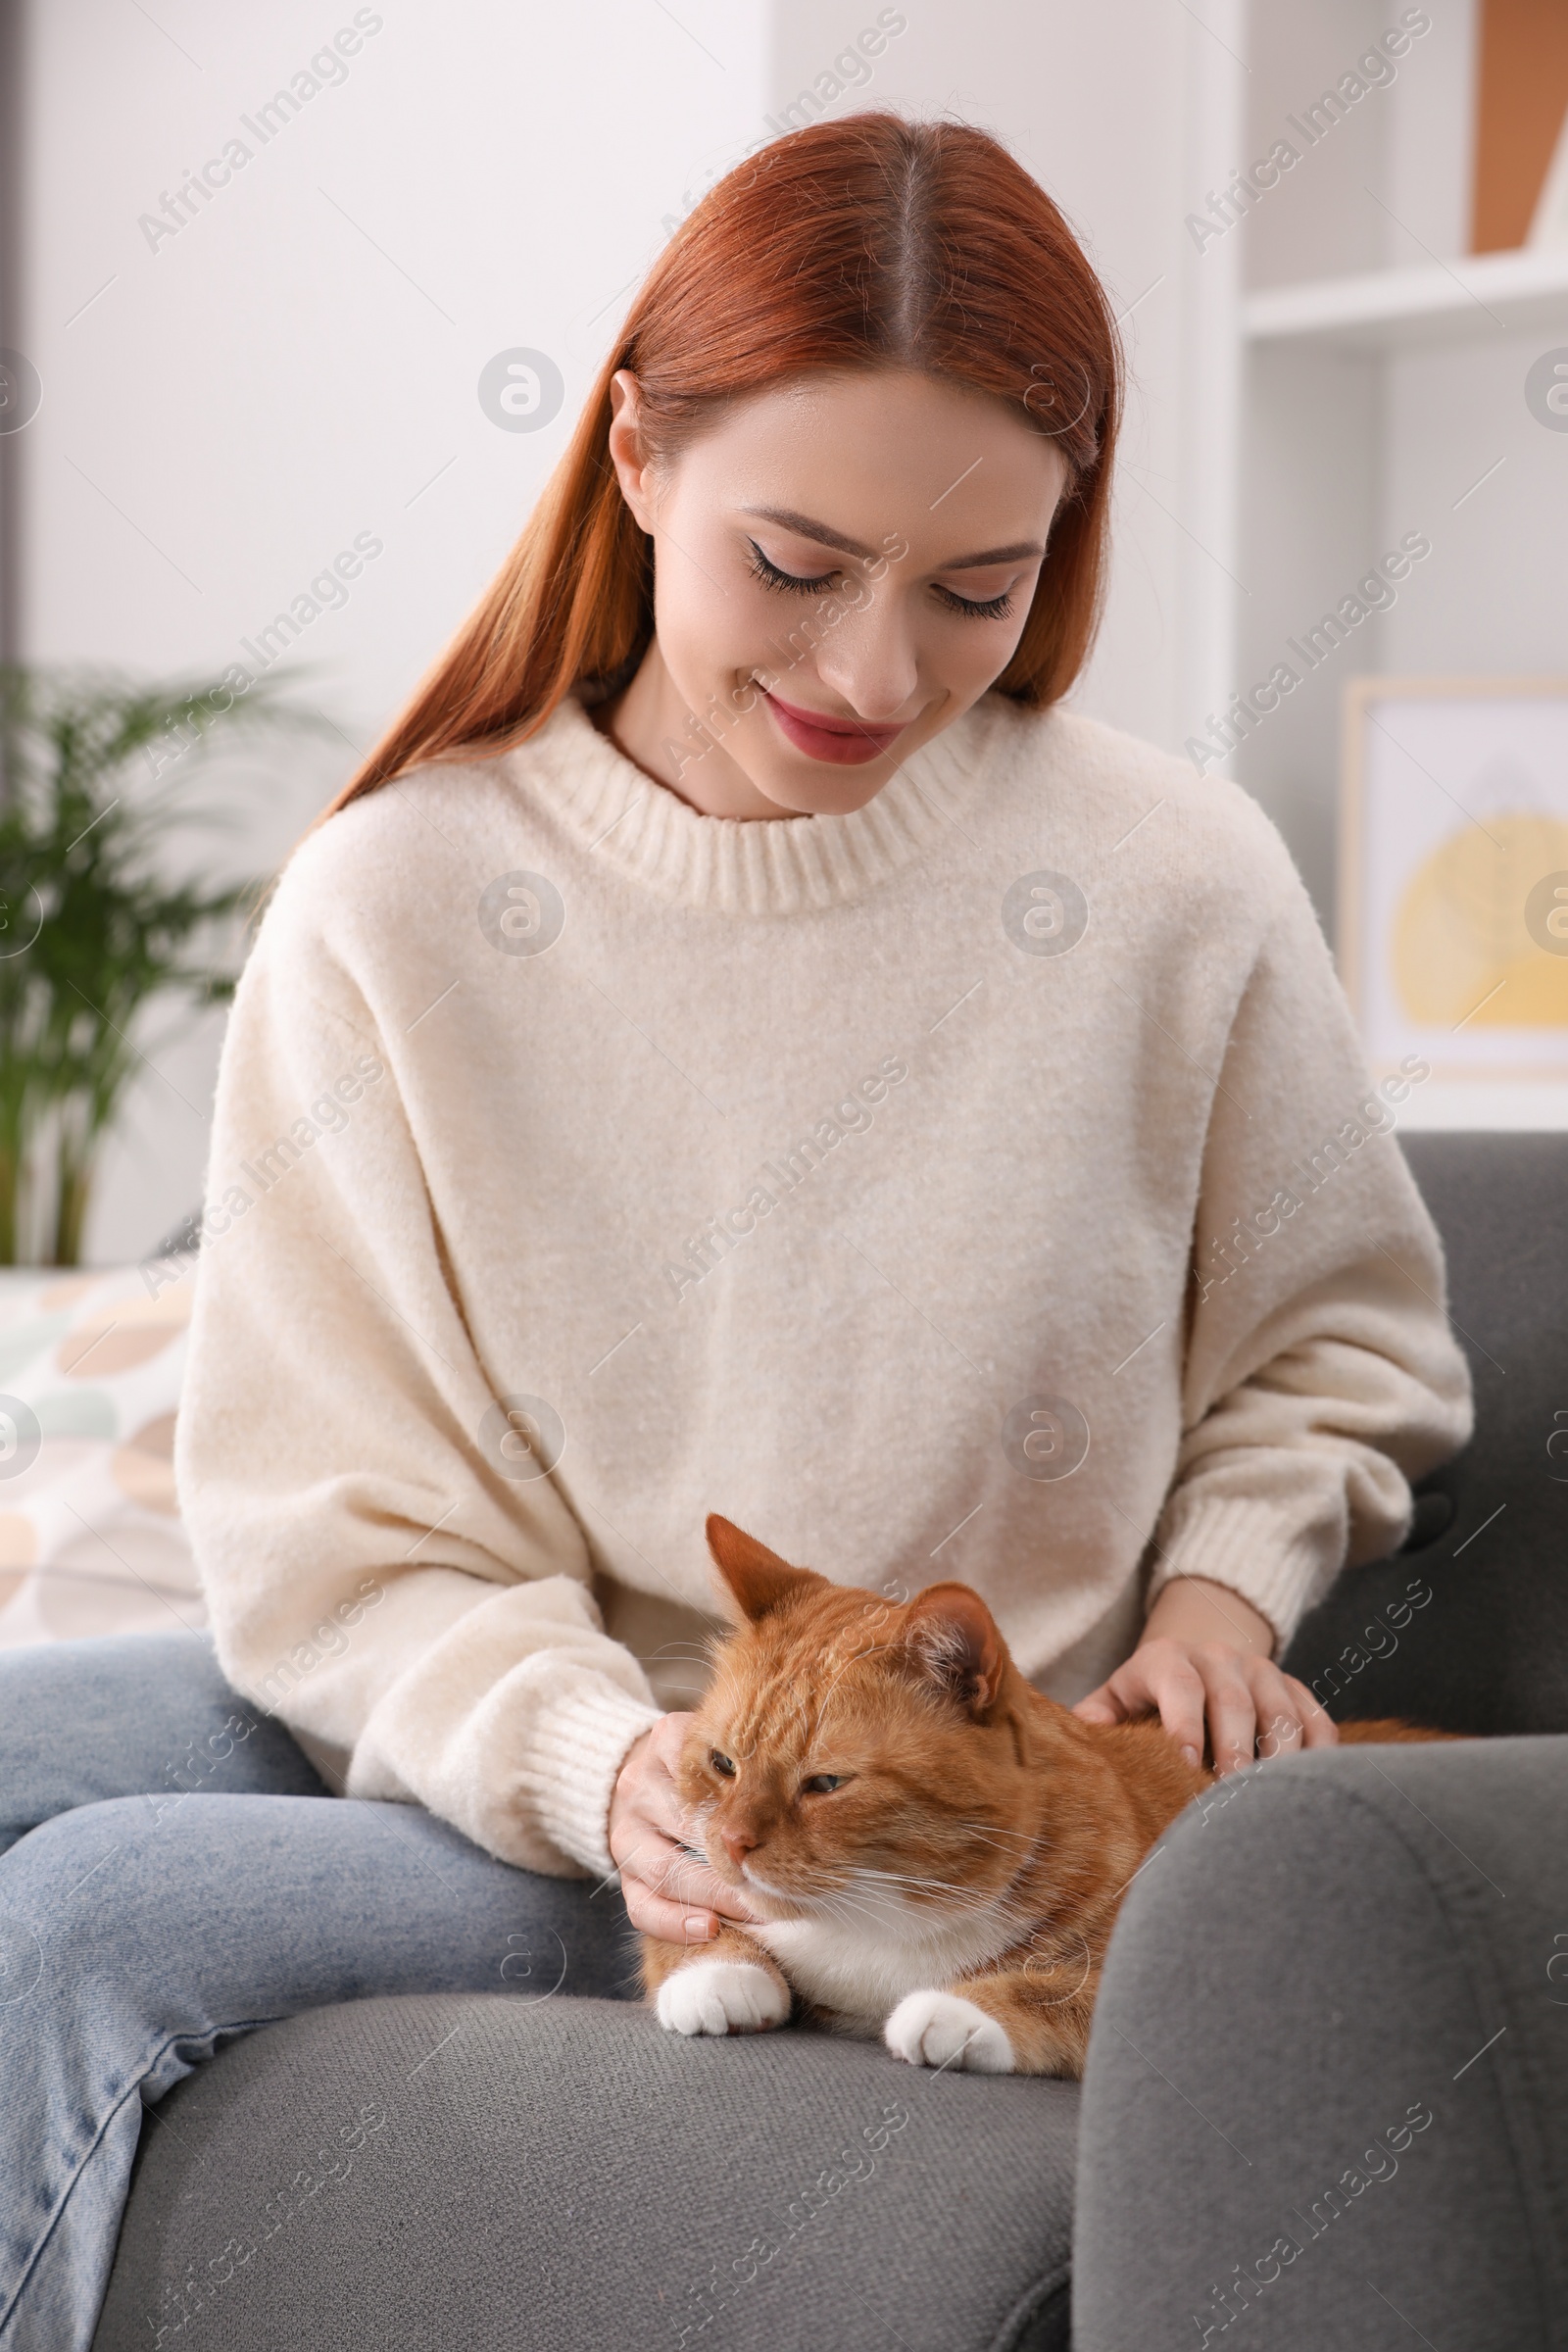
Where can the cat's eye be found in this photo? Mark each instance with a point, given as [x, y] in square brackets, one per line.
[822, 1784]
[721, 1764]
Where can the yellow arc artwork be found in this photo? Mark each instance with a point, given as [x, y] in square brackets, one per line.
[1459, 943]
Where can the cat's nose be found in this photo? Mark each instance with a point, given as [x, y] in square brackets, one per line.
[737, 1843]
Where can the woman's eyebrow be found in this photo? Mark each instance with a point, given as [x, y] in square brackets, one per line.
[789, 521]
[808, 528]
[1015, 554]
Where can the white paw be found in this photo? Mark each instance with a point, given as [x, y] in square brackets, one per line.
[720, 1996]
[942, 2029]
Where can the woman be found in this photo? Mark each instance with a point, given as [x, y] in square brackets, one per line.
[739, 1043]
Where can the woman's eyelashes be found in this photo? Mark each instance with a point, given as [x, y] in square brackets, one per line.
[823, 583]
[995, 608]
[794, 583]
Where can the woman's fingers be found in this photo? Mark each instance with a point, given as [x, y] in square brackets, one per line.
[1232, 1703]
[661, 1887]
[1318, 1727]
[1229, 1706]
[644, 1853]
[668, 1887]
[654, 1914]
[1288, 1717]
[656, 1869]
[1285, 1716]
[1283, 1708]
[702, 1887]
[1160, 1678]
[1100, 1707]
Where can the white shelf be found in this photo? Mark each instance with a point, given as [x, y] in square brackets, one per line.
[1398, 310]
[1532, 1105]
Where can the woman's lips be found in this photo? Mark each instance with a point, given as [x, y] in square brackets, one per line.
[846, 742]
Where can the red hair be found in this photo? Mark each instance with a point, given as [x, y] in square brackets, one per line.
[868, 242]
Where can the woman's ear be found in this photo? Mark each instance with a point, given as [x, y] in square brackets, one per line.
[952, 1639]
[759, 1581]
[626, 451]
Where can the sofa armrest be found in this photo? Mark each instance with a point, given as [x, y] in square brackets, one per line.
[1327, 2093]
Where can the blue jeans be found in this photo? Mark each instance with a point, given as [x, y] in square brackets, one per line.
[173, 1872]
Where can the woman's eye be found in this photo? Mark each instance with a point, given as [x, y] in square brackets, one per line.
[821, 1784]
[721, 1764]
[996, 607]
[795, 583]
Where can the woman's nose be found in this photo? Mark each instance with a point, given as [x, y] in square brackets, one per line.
[869, 662]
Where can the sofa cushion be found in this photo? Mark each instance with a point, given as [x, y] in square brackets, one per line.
[90, 1537]
[1467, 1627]
[490, 2172]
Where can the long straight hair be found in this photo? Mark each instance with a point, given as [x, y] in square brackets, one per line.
[866, 243]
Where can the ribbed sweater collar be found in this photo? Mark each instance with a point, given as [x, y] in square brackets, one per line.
[751, 866]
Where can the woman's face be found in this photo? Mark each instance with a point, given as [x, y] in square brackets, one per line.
[843, 566]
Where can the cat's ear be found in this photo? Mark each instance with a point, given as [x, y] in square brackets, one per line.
[758, 1578]
[952, 1639]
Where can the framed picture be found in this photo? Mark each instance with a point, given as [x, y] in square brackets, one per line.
[1453, 873]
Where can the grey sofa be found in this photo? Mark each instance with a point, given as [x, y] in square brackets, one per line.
[1325, 2103]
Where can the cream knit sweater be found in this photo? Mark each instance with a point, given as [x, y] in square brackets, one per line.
[985, 1184]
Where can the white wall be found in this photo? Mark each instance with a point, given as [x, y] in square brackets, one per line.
[299, 363]
[1084, 98]
[1391, 179]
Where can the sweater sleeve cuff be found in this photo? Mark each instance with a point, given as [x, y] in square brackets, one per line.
[579, 1745]
[1258, 1550]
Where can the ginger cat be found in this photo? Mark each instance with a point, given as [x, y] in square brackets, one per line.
[938, 1852]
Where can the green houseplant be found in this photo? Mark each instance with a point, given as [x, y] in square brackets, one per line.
[94, 930]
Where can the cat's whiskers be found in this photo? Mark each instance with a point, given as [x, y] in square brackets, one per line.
[907, 1878]
[828, 1900]
[836, 1910]
[998, 1839]
[1003, 1907]
[954, 1901]
[995, 1845]
[851, 1908]
[994, 1830]
[889, 1909]
[1024, 1859]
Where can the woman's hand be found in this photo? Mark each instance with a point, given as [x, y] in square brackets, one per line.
[668, 1893]
[1203, 1667]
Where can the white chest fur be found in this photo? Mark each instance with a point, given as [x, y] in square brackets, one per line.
[862, 1966]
